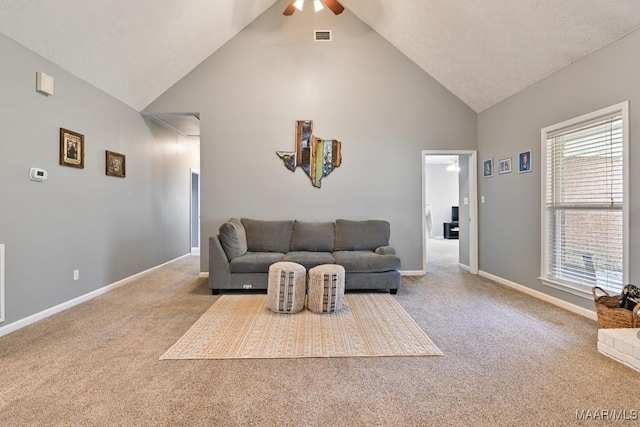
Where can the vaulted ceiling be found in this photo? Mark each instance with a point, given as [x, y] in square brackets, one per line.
[482, 51]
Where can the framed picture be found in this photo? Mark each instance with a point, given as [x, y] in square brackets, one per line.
[116, 164]
[487, 168]
[524, 161]
[71, 149]
[505, 165]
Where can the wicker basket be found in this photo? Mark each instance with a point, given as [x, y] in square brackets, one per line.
[610, 315]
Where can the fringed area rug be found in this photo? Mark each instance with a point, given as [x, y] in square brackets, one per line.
[242, 327]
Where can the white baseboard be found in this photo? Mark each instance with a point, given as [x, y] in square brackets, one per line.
[464, 266]
[412, 272]
[204, 275]
[542, 296]
[19, 324]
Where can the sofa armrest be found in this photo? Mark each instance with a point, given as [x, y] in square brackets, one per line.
[385, 250]
[219, 270]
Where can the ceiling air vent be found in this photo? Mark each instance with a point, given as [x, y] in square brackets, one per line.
[322, 35]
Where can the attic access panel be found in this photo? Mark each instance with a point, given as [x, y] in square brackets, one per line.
[186, 124]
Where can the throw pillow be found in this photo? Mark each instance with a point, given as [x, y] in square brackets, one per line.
[233, 238]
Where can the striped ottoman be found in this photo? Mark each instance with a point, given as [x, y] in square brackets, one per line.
[286, 287]
[326, 288]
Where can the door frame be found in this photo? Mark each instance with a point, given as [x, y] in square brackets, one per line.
[473, 204]
[1, 283]
[196, 173]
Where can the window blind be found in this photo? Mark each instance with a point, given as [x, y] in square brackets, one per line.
[584, 204]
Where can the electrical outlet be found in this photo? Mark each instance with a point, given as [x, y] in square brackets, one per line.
[76, 274]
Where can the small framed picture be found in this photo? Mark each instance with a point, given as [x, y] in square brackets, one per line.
[524, 161]
[116, 164]
[505, 165]
[487, 168]
[71, 149]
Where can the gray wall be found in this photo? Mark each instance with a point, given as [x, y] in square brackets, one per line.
[108, 228]
[358, 89]
[195, 210]
[463, 211]
[510, 218]
[441, 192]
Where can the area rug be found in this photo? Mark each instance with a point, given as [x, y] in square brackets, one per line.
[242, 327]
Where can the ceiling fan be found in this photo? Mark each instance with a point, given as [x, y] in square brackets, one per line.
[333, 5]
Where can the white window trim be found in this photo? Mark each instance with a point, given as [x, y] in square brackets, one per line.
[622, 108]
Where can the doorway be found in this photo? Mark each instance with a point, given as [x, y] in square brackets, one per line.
[452, 225]
[195, 212]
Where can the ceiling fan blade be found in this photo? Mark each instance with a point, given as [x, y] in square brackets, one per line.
[335, 6]
[290, 9]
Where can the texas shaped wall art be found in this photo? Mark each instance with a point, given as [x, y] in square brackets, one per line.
[317, 157]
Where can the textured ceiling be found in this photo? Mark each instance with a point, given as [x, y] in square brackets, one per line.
[485, 51]
[482, 51]
[132, 49]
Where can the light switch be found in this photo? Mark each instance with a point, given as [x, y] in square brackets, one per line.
[44, 83]
[465, 200]
[481, 199]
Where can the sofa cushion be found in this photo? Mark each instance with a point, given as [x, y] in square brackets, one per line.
[366, 261]
[309, 259]
[268, 236]
[233, 238]
[361, 235]
[254, 262]
[313, 236]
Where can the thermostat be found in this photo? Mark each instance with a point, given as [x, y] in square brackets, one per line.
[36, 174]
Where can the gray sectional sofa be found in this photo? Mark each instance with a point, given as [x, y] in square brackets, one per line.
[240, 255]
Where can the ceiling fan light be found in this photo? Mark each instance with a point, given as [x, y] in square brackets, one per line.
[317, 5]
[298, 4]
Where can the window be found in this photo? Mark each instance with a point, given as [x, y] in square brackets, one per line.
[584, 202]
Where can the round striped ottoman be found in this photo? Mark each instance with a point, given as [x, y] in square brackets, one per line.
[325, 292]
[286, 287]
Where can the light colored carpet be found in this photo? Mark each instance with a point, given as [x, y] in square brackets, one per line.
[241, 327]
[509, 360]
